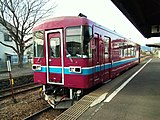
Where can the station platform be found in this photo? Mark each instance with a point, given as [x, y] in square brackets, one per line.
[134, 95]
[139, 99]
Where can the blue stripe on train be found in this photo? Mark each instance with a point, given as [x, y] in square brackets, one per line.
[115, 64]
[86, 71]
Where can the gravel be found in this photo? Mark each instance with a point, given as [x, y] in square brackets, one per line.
[26, 105]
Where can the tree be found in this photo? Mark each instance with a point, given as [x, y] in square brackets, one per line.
[18, 18]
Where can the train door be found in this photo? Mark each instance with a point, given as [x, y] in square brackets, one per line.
[110, 58]
[101, 59]
[95, 59]
[54, 57]
[108, 61]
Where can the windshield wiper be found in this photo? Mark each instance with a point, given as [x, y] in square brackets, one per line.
[40, 55]
[69, 56]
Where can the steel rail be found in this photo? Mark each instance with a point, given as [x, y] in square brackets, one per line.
[17, 87]
[21, 91]
[36, 114]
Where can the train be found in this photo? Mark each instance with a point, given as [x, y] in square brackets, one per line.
[73, 54]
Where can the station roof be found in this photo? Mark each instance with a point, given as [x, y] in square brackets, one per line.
[154, 45]
[143, 14]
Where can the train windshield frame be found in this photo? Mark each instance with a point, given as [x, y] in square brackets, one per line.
[38, 44]
[78, 41]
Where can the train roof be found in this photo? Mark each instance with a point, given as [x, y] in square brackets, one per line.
[64, 21]
[68, 20]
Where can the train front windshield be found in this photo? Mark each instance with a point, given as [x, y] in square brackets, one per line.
[78, 41]
[38, 38]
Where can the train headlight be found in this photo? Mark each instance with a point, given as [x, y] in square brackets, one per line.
[75, 69]
[36, 67]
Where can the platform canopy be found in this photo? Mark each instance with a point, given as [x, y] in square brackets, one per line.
[143, 14]
[157, 45]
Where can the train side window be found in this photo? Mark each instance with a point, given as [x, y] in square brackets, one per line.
[55, 47]
[125, 50]
[87, 33]
[122, 47]
[133, 51]
[129, 51]
[106, 43]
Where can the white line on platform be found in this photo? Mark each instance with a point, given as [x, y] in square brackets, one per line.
[99, 99]
[109, 98]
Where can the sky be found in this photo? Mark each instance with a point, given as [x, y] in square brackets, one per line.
[105, 13]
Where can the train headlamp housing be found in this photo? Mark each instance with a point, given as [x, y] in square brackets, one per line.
[75, 69]
[36, 67]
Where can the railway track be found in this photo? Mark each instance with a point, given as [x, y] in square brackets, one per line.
[19, 80]
[18, 90]
[37, 114]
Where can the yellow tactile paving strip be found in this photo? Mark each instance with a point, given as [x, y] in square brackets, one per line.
[77, 109]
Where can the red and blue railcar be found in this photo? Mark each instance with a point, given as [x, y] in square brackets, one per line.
[73, 54]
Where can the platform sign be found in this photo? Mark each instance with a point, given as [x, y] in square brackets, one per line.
[155, 29]
[8, 65]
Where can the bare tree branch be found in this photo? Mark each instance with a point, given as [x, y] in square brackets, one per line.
[8, 46]
[19, 16]
[29, 39]
[26, 47]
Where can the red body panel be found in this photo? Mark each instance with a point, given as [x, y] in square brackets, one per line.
[78, 81]
[40, 77]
